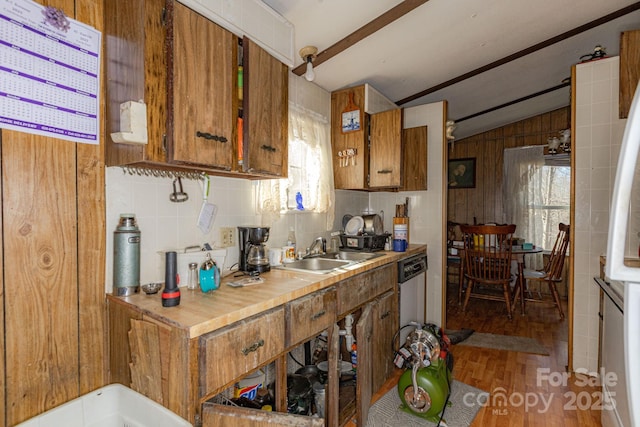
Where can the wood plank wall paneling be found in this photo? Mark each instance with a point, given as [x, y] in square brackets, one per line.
[52, 285]
[484, 202]
[41, 305]
[91, 201]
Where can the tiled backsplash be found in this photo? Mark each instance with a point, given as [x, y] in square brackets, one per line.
[165, 225]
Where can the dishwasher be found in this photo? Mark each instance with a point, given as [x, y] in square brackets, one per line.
[412, 284]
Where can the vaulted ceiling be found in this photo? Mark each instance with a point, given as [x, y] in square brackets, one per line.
[476, 54]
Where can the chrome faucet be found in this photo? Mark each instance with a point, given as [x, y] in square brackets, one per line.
[311, 250]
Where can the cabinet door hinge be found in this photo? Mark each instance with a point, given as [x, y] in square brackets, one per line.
[164, 142]
[163, 18]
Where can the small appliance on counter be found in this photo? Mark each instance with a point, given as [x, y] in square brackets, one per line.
[364, 233]
[253, 253]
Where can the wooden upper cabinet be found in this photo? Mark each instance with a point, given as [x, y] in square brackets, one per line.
[629, 69]
[202, 91]
[265, 112]
[349, 172]
[371, 156]
[185, 68]
[136, 69]
[414, 142]
[385, 149]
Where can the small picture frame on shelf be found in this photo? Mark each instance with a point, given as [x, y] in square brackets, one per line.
[462, 173]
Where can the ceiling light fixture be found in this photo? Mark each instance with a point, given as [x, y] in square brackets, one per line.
[308, 54]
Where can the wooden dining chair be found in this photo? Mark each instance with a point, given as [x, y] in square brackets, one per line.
[552, 272]
[487, 262]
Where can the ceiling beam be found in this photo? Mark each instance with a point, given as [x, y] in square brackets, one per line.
[589, 25]
[361, 33]
[515, 101]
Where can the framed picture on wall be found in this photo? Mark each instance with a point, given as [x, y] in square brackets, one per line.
[462, 173]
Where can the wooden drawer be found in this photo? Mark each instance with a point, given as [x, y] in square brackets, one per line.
[232, 352]
[309, 315]
[364, 287]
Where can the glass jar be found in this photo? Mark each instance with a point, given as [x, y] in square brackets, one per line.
[192, 279]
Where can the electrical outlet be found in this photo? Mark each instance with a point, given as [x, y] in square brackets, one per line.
[227, 237]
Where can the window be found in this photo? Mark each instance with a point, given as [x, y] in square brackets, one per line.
[550, 206]
[309, 185]
[305, 167]
[536, 194]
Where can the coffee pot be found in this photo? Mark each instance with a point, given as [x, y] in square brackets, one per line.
[253, 254]
[257, 259]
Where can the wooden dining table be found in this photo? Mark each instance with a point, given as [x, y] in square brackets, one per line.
[517, 254]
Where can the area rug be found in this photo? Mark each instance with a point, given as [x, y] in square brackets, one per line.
[505, 342]
[465, 402]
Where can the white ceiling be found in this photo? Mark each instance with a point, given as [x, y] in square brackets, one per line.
[443, 39]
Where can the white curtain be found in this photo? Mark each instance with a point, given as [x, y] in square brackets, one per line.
[310, 172]
[521, 192]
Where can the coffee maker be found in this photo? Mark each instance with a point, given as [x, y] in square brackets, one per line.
[253, 254]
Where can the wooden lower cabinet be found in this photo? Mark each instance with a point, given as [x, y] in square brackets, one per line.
[385, 326]
[185, 374]
[364, 335]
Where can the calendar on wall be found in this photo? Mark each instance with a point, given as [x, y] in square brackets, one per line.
[49, 73]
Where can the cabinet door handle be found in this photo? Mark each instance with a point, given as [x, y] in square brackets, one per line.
[268, 148]
[207, 135]
[253, 347]
[318, 315]
[385, 171]
[385, 314]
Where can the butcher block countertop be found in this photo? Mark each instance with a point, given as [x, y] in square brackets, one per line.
[200, 313]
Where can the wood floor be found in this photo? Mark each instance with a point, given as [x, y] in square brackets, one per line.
[515, 375]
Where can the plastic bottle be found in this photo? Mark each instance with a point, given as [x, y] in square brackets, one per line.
[354, 358]
[291, 239]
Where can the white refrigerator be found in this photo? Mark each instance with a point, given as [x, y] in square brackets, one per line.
[627, 279]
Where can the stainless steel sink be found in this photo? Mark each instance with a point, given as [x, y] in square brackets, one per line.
[326, 263]
[319, 265]
[357, 256]
[349, 256]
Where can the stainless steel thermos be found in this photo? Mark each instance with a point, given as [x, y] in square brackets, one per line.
[126, 256]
